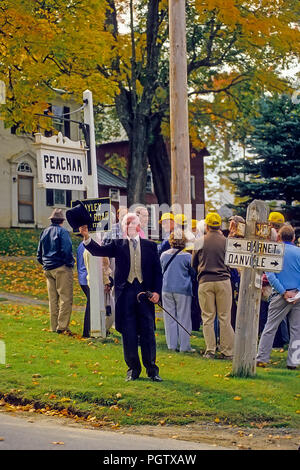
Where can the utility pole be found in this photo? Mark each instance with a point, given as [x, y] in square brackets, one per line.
[179, 129]
[97, 307]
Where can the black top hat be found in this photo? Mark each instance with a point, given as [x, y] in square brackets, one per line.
[78, 216]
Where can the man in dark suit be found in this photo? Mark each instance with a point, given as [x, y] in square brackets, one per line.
[137, 270]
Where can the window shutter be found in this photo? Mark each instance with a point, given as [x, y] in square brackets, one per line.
[68, 197]
[67, 130]
[49, 197]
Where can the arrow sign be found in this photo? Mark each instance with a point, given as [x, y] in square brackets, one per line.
[252, 260]
[262, 247]
[237, 245]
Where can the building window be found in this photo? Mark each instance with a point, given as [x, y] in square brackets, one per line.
[114, 194]
[25, 193]
[24, 167]
[193, 188]
[59, 124]
[58, 197]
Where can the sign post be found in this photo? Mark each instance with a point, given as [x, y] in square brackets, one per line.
[97, 307]
[253, 255]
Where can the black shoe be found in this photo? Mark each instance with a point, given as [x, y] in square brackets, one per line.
[129, 378]
[291, 367]
[65, 332]
[156, 378]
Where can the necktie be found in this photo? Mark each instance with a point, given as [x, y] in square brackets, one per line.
[134, 243]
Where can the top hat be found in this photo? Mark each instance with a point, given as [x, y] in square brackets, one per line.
[57, 214]
[78, 216]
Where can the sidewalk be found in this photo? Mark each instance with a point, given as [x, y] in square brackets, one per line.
[8, 298]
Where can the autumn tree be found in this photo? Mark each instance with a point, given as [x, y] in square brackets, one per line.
[272, 171]
[119, 50]
[233, 46]
[47, 44]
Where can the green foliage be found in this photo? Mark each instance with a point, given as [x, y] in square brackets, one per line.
[24, 242]
[117, 164]
[273, 170]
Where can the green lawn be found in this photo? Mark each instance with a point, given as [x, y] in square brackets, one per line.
[86, 377]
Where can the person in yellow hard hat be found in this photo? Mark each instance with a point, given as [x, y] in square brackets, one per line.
[215, 294]
[276, 220]
[181, 222]
[167, 224]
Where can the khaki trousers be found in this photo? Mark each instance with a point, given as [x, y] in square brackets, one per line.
[60, 293]
[216, 297]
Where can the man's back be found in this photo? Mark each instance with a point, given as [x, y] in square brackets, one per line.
[55, 248]
[209, 261]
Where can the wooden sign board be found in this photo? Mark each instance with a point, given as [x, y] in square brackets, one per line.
[99, 210]
[262, 247]
[61, 162]
[256, 261]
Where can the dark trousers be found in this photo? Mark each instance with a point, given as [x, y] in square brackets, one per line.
[138, 327]
[87, 318]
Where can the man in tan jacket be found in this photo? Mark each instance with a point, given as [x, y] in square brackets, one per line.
[215, 295]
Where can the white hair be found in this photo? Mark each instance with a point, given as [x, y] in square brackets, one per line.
[130, 215]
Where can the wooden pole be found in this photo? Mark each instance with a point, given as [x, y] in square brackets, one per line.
[247, 320]
[179, 130]
[97, 307]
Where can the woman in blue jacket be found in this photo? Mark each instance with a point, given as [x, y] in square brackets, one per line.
[177, 292]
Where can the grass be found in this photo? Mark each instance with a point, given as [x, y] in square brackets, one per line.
[24, 242]
[25, 276]
[20, 273]
[86, 377]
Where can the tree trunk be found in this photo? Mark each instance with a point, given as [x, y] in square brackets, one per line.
[137, 171]
[160, 166]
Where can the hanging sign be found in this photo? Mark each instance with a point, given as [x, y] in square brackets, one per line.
[61, 162]
[99, 210]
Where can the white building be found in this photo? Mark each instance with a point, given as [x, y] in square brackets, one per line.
[23, 203]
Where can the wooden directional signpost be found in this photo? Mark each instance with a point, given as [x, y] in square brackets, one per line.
[259, 254]
[252, 255]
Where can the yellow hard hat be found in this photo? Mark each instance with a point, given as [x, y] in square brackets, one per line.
[194, 223]
[167, 216]
[213, 219]
[276, 217]
[180, 219]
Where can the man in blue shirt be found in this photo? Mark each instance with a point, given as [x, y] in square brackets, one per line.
[82, 279]
[55, 255]
[284, 285]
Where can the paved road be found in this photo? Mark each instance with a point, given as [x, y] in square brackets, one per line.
[18, 433]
